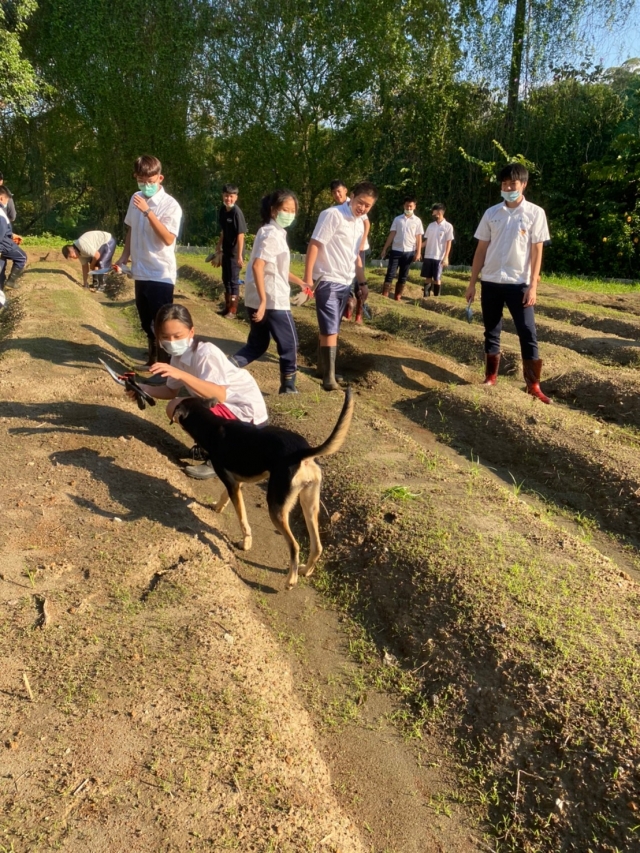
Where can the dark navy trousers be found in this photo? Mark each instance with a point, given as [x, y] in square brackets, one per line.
[275, 324]
[231, 274]
[493, 298]
[150, 297]
[399, 261]
[9, 251]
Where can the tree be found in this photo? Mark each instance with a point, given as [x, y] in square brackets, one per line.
[17, 78]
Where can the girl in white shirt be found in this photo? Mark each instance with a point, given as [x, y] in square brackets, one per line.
[267, 295]
[205, 371]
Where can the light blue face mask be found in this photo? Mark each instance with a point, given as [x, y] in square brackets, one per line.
[148, 190]
[514, 195]
[176, 347]
[285, 219]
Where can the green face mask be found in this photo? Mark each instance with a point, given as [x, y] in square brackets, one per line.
[285, 219]
[148, 190]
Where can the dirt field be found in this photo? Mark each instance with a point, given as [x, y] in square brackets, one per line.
[461, 675]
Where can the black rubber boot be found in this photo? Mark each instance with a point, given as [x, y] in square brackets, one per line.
[436, 289]
[13, 278]
[320, 362]
[200, 472]
[329, 382]
[288, 383]
[426, 290]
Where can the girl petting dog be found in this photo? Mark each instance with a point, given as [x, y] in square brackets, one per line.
[204, 370]
[267, 293]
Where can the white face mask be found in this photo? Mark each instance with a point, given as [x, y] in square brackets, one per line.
[176, 347]
[408, 211]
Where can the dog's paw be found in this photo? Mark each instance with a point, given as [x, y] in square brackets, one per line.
[247, 543]
[307, 571]
[291, 582]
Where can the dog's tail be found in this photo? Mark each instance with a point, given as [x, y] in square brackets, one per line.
[340, 430]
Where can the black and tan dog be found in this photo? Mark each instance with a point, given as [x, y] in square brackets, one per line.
[243, 453]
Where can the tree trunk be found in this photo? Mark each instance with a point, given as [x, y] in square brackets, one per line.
[517, 51]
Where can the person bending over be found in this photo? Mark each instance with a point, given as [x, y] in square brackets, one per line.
[205, 371]
[267, 295]
[94, 250]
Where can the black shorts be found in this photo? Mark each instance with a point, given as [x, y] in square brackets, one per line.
[431, 268]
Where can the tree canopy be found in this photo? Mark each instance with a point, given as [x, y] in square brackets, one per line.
[412, 94]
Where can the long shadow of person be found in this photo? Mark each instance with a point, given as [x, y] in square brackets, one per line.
[141, 495]
[92, 420]
[51, 271]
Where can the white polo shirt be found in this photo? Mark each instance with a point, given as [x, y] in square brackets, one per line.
[407, 229]
[270, 245]
[436, 238]
[340, 233]
[206, 361]
[510, 232]
[151, 260]
[89, 243]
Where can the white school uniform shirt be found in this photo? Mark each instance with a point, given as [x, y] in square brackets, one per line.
[340, 233]
[510, 232]
[270, 245]
[91, 242]
[151, 260]
[407, 229]
[436, 238]
[206, 361]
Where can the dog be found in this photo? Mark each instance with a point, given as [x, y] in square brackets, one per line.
[243, 453]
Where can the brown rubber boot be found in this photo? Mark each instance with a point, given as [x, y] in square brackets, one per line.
[225, 310]
[386, 287]
[398, 294]
[436, 289]
[491, 365]
[532, 368]
[351, 304]
[233, 307]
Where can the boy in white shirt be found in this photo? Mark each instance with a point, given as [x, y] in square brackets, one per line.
[508, 257]
[405, 239]
[437, 245]
[359, 292]
[154, 220]
[332, 260]
[94, 250]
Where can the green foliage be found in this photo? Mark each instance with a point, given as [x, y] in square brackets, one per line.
[17, 78]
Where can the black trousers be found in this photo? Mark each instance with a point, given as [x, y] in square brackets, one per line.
[150, 297]
[399, 261]
[278, 325]
[231, 274]
[493, 298]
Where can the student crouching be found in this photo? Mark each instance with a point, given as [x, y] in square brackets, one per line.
[204, 370]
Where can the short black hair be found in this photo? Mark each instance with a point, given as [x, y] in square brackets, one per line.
[147, 166]
[65, 250]
[4, 192]
[513, 172]
[230, 188]
[410, 199]
[1, 177]
[365, 188]
[275, 199]
[335, 184]
[438, 206]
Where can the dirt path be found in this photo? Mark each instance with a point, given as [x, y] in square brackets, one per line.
[172, 707]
